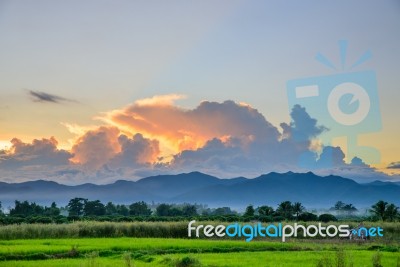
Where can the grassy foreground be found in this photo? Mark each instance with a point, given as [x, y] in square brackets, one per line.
[194, 252]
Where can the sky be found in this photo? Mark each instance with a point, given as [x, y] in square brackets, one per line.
[97, 90]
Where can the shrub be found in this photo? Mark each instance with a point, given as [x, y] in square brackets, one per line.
[327, 218]
[127, 259]
[307, 217]
[187, 262]
[278, 218]
[376, 259]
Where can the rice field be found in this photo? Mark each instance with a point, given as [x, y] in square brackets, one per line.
[108, 244]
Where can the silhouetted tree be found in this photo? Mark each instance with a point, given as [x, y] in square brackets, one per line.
[111, 209]
[379, 209]
[26, 209]
[189, 210]
[122, 210]
[298, 209]
[265, 211]
[339, 205]
[343, 208]
[349, 209]
[53, 210]
[223, 211]
[249, 211]
[391, 212]
[95, 208]
[139, 209]
[285, 209]
[76, 205]
[163, 210]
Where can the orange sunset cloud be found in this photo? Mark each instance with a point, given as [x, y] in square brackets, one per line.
[184, 129]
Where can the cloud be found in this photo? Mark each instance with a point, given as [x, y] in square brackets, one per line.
[331, 157]
[303, 128]
[107, 146]
[38, 96]
[135, 151]
[96, 147]
[231, 138]
[160, 100]
[262, 150]
[156, 136]
[394, 165]
[214, 155]
[182, 129]
[38, 153]
[356, 161]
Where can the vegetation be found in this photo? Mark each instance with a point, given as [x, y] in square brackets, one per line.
[81, 209]
[385, 211]
[89, 233]
[186, 252]
[343, 208]
[93, 229]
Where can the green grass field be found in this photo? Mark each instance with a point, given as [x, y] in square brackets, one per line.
[192, 252]
[137, 244]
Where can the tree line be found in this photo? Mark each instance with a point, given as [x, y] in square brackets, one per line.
[84, 209]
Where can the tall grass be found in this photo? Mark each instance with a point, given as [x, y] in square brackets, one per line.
[127, 259]
[145, 229]
[92, 259]
[94, 229]
[341, 259]
[377, 259]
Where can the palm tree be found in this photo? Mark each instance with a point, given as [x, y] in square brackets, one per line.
[265, 211]
[297, 209]
[349, 209]
[392, 212]
[339, 205]
[285, 209]
[379, 209]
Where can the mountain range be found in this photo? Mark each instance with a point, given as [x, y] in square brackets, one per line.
[269, 189]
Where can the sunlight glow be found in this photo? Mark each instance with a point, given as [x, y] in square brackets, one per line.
[4, 145]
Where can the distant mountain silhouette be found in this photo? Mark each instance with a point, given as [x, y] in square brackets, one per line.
[377, 182]
[269, 189]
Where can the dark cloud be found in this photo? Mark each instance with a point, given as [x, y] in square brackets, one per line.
[331, 157]
[394, 165]
[42, 152]
[356, 161]
[214, 155]
[38, 96]
[264, 150]
[302, 128]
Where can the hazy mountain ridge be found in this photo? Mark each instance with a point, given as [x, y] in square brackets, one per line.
[310, 189]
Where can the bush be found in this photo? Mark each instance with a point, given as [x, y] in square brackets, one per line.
[266, 219]
[308, 217]
[327, 218]
[187, 262]
[376, 259]
[278, 218]
[44, 220]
